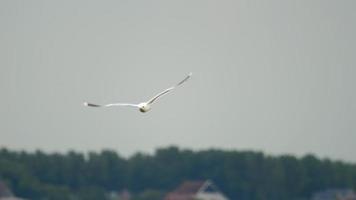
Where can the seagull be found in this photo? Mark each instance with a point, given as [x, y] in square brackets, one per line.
[144, 106]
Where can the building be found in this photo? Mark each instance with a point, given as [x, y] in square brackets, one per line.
[6, 194]
[123, 195]
[335, 194]
[4, 191]
[196, 190]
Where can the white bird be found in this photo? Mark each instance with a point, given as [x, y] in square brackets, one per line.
[144, 106]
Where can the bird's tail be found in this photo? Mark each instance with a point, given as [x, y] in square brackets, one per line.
[91, 104]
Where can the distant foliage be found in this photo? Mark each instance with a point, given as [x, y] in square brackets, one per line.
[240, 175]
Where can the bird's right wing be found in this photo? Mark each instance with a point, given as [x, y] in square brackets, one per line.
[168, 90]
[110, 105]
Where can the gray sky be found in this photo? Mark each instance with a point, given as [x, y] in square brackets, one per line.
[276, 76]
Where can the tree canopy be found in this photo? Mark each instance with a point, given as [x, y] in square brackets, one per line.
[241, 175]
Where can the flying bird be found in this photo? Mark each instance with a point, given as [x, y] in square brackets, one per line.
[144, 106]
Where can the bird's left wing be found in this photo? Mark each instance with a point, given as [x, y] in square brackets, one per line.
[109, 105]
[168, 90]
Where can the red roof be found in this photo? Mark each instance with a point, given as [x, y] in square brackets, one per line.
[185, 191]
[189, 187]
[4, 190]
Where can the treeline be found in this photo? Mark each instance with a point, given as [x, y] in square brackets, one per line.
[240, 175]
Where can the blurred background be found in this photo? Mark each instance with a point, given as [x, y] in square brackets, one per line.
[269, 113]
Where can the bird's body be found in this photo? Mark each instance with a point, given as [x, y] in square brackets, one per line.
[144, 106]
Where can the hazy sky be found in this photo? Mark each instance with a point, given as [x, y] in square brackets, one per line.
[275, 76]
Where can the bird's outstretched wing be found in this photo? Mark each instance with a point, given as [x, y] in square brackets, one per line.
[168, 90]
[111, 104]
